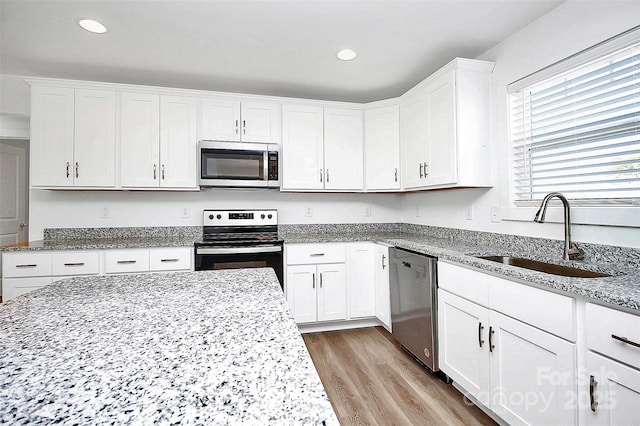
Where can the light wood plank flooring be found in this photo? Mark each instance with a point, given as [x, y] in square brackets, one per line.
[371, 380]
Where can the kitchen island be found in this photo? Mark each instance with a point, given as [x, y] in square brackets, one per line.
[211, 347]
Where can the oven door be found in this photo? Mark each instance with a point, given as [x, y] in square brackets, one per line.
[209, 258]
[233, 164]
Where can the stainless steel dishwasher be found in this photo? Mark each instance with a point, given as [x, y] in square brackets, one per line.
[414, 304]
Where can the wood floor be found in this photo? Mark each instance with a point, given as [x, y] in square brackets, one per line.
[371, 380]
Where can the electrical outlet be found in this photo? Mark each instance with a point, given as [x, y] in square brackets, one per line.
[417, 210]
[106, 212]
[186, 213]
[367, 211]
[469, 213]
[308, 211]
[495, 214]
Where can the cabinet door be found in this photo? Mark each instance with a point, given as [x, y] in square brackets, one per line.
[51, 136]
[383, 300]
[532, 374]
[302, 147]
[332, 292]
[414, 138]
[343, 149]
[301, 292]
[362, 288]
[94, 152]
[463, 329]
[441, 166]
[382, 148]
[140, 140]
[178, 142]
[14, 287]
[614, 392]
[220, 120]
[261, 122]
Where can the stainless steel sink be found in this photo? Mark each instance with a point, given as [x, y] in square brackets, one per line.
[549, 268]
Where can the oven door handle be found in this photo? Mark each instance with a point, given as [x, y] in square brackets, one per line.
[238, 250]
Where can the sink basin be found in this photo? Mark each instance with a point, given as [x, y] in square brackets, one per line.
[549, 268]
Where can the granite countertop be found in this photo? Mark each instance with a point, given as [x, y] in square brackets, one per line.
[211, 347]
[101, 243]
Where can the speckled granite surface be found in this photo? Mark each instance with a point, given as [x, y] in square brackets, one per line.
[215, 347]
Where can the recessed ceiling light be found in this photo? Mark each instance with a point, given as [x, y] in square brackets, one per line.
[346, 54]
[92, 26]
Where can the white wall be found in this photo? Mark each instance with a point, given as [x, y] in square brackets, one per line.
[14, 95]
[566, 30]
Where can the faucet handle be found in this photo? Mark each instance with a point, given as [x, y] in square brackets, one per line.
[575, 253]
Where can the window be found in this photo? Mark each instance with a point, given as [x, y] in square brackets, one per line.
[575, 128]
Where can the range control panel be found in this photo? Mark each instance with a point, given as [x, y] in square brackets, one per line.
[240, 217]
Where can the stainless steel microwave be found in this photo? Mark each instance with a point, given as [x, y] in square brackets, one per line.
[239, 164]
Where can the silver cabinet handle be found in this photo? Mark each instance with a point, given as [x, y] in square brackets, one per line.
[320, 175]
[31, 265]
[327, 172]
[155, 172]
[77, 168]
[74, 264]
[320, 279]
[625, 340]
[592, 397]
[316, 254]
[383, 265]
[313, 280]
[68, 168]
[168, 260]
[491, 345]
[162, 172]
[395, 175]
[244, 127]
[420, 167]
[480, 328]
[236, 127]
[426, 173]
[126, 261]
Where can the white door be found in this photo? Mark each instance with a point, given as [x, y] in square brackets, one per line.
[178, 144]
[463, 338]
[94, 152]
[13, 193]
[532, 374]
[140, 140]
[51, 142]
[441, 112]
[332, 292]
[383, 299]
[302, 147]
[414, 138]
[261, 122]
[220, 120]
[382, 148]
[362, 289]
[343, 149]
[301, 292]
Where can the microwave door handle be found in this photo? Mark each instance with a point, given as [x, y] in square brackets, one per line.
[265, 166]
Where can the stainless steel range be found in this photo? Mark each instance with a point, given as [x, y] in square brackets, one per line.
[234, 239]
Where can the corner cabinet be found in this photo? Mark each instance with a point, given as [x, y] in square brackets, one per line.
[73, 137]
[321, 148]
[382, 149]
[445, 128]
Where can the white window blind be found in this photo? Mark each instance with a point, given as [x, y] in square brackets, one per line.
[578, 133]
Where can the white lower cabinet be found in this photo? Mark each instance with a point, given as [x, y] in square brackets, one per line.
[317, 292]
[521, 372]
[362, 286]
[381, 278]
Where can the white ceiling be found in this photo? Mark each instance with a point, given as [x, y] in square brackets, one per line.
[282, 48]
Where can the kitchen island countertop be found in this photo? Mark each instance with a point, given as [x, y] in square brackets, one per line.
[211, 347]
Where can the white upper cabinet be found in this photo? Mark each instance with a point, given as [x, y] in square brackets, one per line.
[232, 120]
[72, 137]
[446, 127]
[157, 141]
[139, 139]
[302, 147]
[343, 149]
[382, 148]
[321, 148]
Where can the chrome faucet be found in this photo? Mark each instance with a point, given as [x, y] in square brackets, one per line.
[571, 250]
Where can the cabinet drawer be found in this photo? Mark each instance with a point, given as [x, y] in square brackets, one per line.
[170, 259]
[603, 323]
[76, 263]
[305, 254]
[464, 282]
[123, 261]
[14, 287]
[543, 309]
[26, 265]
